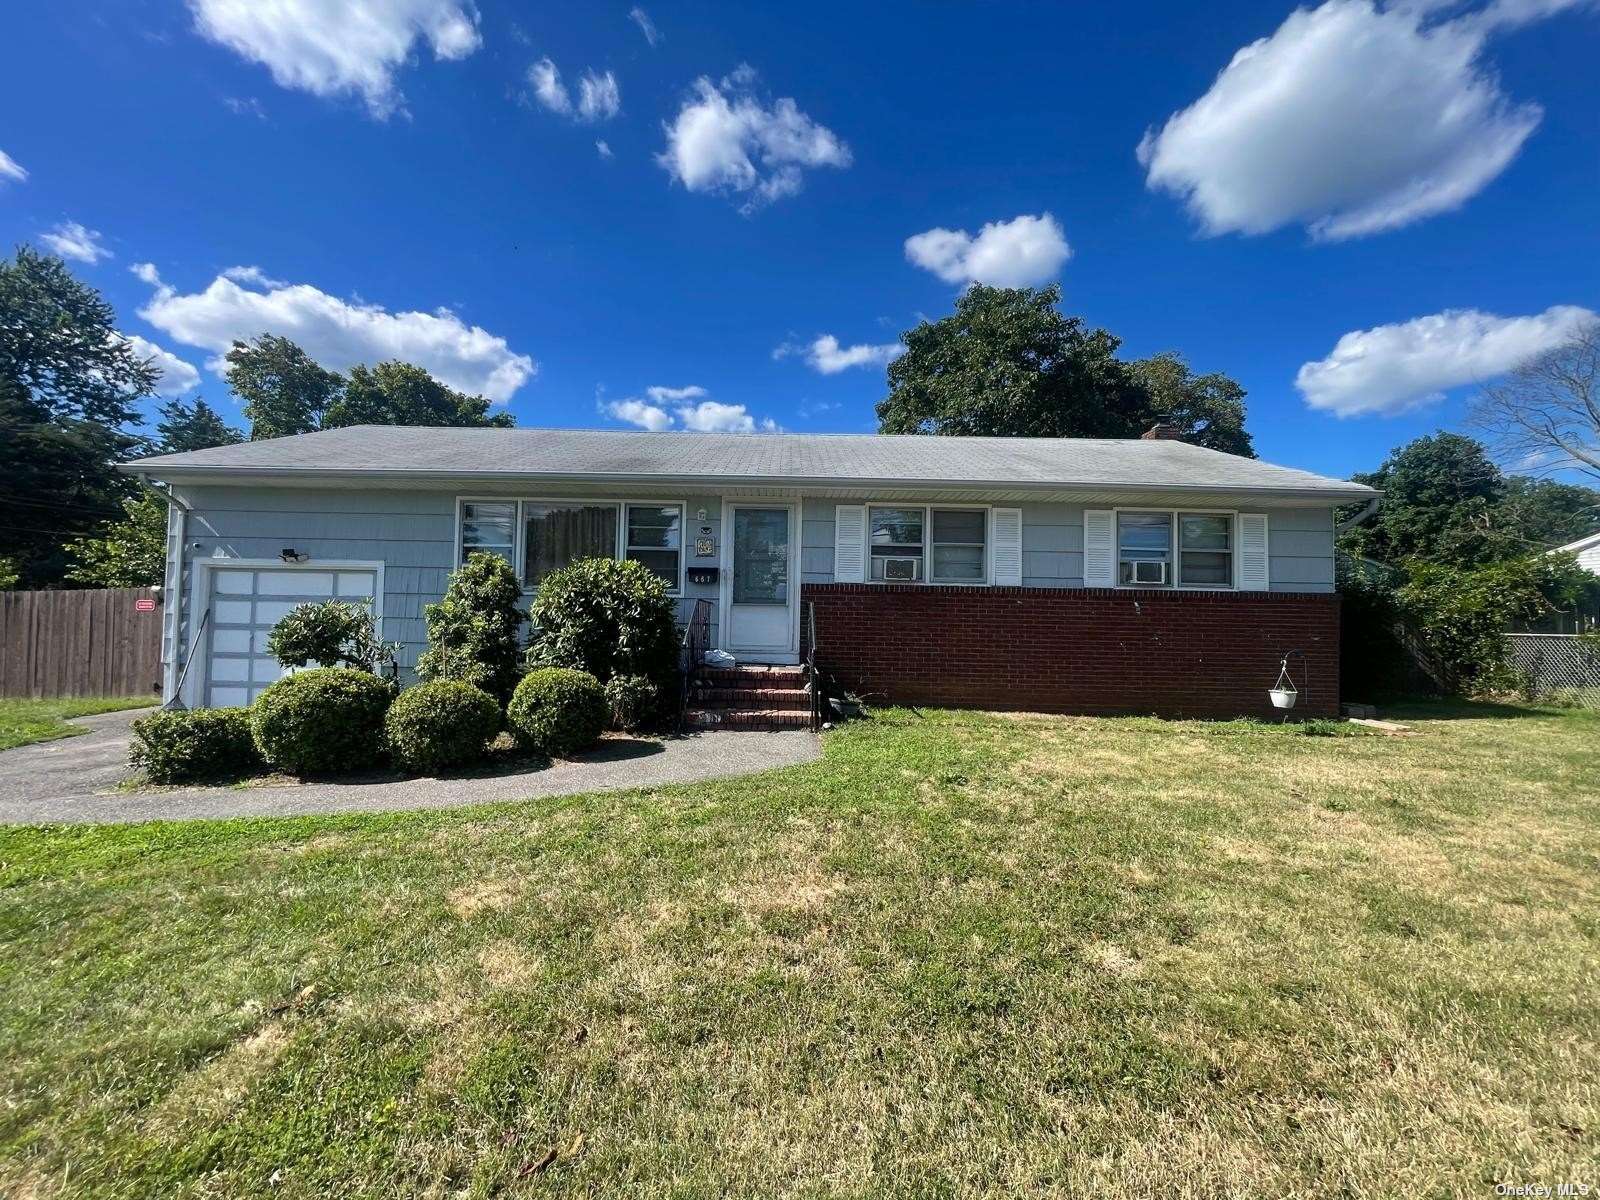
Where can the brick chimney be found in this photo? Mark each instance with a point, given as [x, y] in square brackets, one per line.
[1162, 432]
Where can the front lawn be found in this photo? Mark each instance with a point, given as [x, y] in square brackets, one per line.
[963, 955]
[23, 722]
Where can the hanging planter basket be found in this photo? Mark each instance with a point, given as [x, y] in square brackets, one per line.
[1284, 693]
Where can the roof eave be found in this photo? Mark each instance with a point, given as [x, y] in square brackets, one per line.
[1341, 495]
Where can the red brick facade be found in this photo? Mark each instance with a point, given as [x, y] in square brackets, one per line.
[1077, 650]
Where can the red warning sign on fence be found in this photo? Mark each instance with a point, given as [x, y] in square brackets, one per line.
[144, 606]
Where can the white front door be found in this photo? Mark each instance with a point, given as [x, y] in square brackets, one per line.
[761, 595]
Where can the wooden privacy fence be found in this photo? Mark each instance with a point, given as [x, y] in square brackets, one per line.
[88, 643]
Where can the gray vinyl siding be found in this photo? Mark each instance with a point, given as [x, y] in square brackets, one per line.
[1300, 546]
[412, 533]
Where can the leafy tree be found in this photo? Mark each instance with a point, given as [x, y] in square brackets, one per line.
[1007, 363]
[398, 393]
[131, 552]
[69, 383]
[59, 344]
[284, 390]
[192, 425]
[1207, 409]
[1543, 512]
[9, 575]
[473, 631]
[1445, 501]
[1438, 493]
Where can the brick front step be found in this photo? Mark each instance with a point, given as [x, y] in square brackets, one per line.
[747, 718]
[752, 677]
[787, 699]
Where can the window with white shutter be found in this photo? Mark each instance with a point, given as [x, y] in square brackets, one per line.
[1099, 548]
[850, 543]
[1007, 547]
[1253, 557]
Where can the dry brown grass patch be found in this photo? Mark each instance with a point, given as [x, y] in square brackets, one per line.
[221, 1083]
[484, 895]
[507, 965]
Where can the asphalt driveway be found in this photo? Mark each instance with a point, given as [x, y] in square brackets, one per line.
[74, 779]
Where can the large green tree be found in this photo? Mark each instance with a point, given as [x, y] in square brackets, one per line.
[69, 387]
[285, 391]
[398, 393]
[192, 425]
[283, 388]
[130, 552]
[1445, 501]
[1208, 410]
[1009, 363]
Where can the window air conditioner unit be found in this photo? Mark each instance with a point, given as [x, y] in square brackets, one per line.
[1149, 570]
[902, 570]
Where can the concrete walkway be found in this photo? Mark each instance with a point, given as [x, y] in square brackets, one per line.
[71, 779]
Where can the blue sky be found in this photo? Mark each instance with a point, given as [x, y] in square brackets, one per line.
[385, 178]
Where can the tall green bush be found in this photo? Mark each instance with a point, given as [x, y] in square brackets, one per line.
[473, 631]
[1463, 614]
[608, 618]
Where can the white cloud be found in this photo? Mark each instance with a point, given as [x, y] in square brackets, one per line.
[599, 97]
[245, 106]
[340, 47]
[637, 412]
[147, 273]
[1392, 368]
[707, 416]
[646, 26]
[824, 354]
[724, 139]
[243, 303]
[670, 395]
[1350, 119]
[1023, 252]
[177, 376]
[71, 240]
[603, 149]
[10, 168]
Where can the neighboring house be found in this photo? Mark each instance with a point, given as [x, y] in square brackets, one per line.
[1074, 575]
[1588, 551]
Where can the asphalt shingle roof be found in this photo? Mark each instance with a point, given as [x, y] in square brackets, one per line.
[775, 458]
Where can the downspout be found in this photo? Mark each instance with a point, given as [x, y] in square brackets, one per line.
[1360, 518]
[178, 511]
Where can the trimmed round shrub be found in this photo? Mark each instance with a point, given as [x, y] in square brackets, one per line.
[207, 743]
[634, 700]
[439, 725]
[556, 710]
[324, 719]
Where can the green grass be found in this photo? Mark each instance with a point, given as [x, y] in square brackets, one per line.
[963, 955]
[23, 722]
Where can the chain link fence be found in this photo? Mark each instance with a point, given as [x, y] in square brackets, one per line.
[1558, 666]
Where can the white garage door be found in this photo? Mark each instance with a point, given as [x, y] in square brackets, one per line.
[245, 604]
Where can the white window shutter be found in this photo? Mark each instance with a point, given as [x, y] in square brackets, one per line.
[1253, 552]
[1099, 549]
[1005, 547]
[850, 543]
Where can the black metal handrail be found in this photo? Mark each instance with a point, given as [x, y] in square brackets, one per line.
[692, 655]
[813, 677]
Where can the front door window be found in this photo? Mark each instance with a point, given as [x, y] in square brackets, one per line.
[761, 556]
